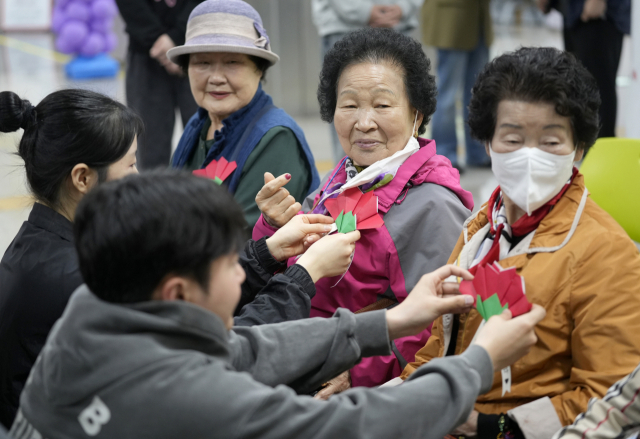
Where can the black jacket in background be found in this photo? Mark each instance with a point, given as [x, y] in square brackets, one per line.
[38, 273]
[146, 20]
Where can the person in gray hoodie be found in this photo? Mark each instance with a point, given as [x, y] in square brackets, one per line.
[146, 348]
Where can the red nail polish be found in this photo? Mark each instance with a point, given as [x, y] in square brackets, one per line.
[287, 176]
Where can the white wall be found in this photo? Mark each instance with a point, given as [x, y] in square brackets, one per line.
[632, 111]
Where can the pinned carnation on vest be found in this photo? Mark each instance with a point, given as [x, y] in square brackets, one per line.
[217, 170]
[353, 210]
[495, 289]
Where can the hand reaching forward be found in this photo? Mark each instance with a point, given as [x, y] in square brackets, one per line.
[275, 202]
[296, 236]
[431, 298]
[507, 339]
[330, 256]
[337, 385]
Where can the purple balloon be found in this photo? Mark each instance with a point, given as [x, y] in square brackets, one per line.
[101, 25]
[111, 41]
[72, 35]
[58, 19]
[103, 9]
[61, 3]
[93, 45]
[78, 10]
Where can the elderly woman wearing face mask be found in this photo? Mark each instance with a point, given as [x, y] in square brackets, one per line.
[226, 56]
[536, 110]
[376, 87]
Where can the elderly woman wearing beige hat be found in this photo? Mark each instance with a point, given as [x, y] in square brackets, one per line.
[226, 55]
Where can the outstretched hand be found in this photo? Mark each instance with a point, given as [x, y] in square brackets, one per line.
[507, 339]
[275, 202]
[337, 385]
[330, 256]
[295, 236]
[430, 298]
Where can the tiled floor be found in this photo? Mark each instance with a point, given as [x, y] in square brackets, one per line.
[29, 67]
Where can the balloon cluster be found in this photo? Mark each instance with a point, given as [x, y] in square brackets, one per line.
[84, 26]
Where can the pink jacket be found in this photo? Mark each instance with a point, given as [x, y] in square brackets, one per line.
[423, 208]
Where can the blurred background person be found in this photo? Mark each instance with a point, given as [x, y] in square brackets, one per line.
[226, 56]
[335, 18]
[593, 32]
[155, 86]
[462, 33]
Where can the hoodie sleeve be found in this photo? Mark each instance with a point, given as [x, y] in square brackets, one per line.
[438, 397]
[305, 353]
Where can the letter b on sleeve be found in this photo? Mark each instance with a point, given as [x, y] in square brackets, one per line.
[94, 417]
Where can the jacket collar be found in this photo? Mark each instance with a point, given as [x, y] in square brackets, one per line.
[554, 231]
[388, 194]
[424, 166]
[48, 219]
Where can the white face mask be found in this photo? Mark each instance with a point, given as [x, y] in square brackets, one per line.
[531, 177]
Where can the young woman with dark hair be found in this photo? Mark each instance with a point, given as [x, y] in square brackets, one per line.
[73, 140]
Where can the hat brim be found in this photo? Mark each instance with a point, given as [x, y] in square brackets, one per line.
[176, 52]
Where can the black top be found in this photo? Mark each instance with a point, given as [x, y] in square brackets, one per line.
[146, 20]
[38, 273]
[268, 298]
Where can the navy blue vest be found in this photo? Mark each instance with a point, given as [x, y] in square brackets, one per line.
[240, 134]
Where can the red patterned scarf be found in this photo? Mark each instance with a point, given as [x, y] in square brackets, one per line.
[492, 249]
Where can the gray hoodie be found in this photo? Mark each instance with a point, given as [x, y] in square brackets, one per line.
[171, 370]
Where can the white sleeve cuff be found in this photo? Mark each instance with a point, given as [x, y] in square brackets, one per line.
[537, 419]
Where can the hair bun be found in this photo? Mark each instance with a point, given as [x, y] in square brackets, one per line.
[15, 113]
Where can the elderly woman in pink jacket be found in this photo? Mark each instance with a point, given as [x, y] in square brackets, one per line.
[376, 87]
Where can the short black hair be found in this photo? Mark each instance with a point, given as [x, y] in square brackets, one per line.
[131, 233]
[537, 74]
[66, 128]
[262, 64]
[377, 45]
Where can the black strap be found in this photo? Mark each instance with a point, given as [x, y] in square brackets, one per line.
[451, 350]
